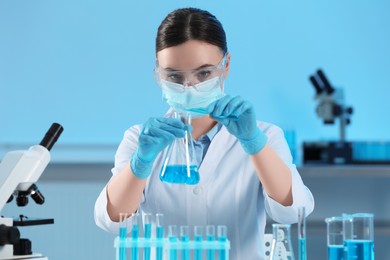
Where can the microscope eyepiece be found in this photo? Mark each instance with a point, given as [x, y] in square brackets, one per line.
[328, 88]
[316, 85]
[51, 136]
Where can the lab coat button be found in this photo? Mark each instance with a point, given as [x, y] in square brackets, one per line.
[196, 190]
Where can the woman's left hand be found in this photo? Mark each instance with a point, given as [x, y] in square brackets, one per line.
[238, 116]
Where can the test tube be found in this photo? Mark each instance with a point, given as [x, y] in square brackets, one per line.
[198, 238]
[172, 236]
[159, 234]
[122, 235]
[222, 237]
[147, 234]
[210, 236]
[302, 233]
[134, 235]
[185, 238]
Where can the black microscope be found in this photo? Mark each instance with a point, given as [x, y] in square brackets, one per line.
[330, 107]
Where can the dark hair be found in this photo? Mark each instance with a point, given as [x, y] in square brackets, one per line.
[186, 24]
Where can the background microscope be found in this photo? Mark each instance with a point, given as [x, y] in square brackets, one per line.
[330, 108]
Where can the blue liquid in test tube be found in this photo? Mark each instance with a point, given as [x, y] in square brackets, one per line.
[302, 233]
[159, 235]
[172, 236]
[198, 237]
[210, 236]
[359, 249]
[302, 248]
[134, 235]
[184, 237]
[122, 235]
[222, 237]
[147, 234]
[335, 252]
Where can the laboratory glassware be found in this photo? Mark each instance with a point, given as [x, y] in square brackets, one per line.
[335, 238]
[147, 233]
[198, 238]
[123, 218]
[358, 236]
[210, 236]
[302, 233]
[281, 248]
[172, 236]
[185, 238]
[159, 234]
[222, 237]
[134, 234]
[180, 164]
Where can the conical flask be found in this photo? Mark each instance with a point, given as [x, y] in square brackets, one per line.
[281, 248]
[180, 164]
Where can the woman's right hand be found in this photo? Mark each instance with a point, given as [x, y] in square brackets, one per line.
[156, 134]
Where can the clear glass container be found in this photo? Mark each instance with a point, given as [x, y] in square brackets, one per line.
[281, 248]
[180, 165]
[335, 240]
[358, 236]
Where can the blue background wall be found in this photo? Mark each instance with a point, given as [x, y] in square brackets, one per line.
[88, 64]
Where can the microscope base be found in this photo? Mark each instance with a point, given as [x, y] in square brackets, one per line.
[327, 152]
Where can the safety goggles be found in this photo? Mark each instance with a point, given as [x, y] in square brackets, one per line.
[184, 78]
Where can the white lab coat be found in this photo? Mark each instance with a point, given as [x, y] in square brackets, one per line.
[229, 192]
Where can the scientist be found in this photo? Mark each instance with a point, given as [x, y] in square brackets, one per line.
[245, 165]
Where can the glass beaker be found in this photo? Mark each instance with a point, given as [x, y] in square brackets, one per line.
[358, 236]
[335, 238]
[180, 165]
[281, 248]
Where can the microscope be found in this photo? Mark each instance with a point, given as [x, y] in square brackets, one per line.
[330, 107]
[19, 171]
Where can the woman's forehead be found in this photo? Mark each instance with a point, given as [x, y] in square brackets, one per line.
[189, 55]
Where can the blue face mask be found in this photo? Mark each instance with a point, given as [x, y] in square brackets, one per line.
[186, 98]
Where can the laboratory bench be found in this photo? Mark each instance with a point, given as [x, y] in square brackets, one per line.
[336, 190]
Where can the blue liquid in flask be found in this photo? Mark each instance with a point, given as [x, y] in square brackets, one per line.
[179, 174]
[335, 252]
[359, 249]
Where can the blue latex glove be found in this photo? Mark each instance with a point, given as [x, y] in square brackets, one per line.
[238, 116]
[156, 134]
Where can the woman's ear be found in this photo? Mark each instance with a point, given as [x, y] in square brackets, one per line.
[227, 66]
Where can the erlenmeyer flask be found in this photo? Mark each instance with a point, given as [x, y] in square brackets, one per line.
[281, 248]
[180, 165]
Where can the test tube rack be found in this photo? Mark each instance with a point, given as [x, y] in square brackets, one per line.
[172, 249]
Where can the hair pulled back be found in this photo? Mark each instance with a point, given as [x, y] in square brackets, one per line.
[186, 24]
